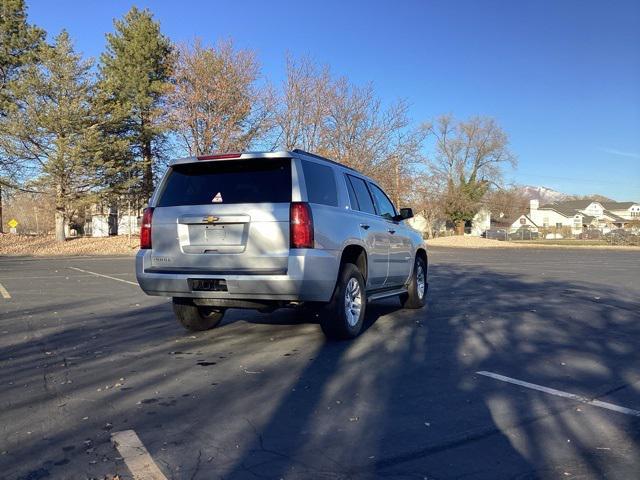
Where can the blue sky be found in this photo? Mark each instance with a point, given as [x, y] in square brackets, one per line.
[561, 77]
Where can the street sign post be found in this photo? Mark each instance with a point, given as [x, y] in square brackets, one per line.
[13, 223]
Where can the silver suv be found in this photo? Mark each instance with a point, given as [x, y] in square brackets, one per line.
[277, 229]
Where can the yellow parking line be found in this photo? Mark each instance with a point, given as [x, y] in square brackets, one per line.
[3, 292]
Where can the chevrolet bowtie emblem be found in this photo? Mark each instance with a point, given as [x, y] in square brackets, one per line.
[211, 219]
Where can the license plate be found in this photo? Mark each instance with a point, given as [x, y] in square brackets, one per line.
[214, 233]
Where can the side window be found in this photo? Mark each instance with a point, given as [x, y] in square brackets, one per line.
[385, 207]
[365, 203]
[321, 183]
[352, 194]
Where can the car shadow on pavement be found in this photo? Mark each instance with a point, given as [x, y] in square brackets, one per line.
[403, 401]
[265, 396]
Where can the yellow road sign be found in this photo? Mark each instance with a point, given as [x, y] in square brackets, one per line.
[13, 223]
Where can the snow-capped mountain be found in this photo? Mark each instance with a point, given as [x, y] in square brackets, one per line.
[543, 194]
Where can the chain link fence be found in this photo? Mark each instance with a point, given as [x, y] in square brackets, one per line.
[620, 236]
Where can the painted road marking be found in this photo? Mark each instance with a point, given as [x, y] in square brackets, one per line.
[3, 292]
[136, 456]
[560, 393]
[40, 277]
[105, 276]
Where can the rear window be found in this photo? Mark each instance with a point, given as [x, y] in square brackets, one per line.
[321, 183]
[238, 181]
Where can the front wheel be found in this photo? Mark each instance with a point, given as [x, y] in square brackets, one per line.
[343, 317]
[196, 318]
[417, 288]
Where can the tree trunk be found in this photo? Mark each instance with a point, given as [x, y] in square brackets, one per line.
[460, 227]
[147, 173]
[1, 221]
[60, 214]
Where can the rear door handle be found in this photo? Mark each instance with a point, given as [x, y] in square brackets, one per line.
[365, 226]
[391, 231]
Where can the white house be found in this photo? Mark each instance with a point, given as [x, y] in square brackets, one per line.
[524, 221]
[481, 222]
[626, 210]
[476, 227]
[579, 215]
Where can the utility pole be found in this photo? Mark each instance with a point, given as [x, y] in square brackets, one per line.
[397, 172]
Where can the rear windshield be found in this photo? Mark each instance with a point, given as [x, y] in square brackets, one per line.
[238, 181]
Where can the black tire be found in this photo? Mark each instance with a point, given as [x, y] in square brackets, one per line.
[413, 299]
[336, 323]
[196, 318]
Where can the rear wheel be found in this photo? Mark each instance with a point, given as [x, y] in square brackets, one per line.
[417, 288]
[343, 317]
[194, 317]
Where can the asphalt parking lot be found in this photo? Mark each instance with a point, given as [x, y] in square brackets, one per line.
[84, 356]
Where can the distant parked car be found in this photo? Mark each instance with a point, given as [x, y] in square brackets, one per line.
[523, 234]
[496, 234]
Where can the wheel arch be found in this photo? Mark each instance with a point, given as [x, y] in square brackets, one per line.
[357, 255]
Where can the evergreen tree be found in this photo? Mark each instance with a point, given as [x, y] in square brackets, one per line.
[134, 80]
[19, 44]
[55, 127]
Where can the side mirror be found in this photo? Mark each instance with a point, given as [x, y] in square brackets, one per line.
[405, 214]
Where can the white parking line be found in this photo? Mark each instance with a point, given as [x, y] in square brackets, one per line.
[136, 456]
[45, 277]
[3, 292]
[560, 393]
[105, 276]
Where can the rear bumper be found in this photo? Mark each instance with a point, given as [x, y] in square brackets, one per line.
[310, 276]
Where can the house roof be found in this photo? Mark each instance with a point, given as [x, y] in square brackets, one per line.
[501, 222]
[613, 216]
[568, 208]
[509, 221]
[617, 205]
[571, 207]
[528, 218]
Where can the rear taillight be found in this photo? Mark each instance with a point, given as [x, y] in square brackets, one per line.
[145, 228]
[301, 225]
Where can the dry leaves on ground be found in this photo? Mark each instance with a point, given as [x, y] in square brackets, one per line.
[46, 245]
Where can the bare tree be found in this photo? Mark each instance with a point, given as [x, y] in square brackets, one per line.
[377, 141]
[34, 211]
[469, 158]
[349, 124]
[216, 103]
[426, 197]
[507, 203]
[302, 109]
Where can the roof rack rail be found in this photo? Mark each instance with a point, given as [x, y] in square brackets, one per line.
[320, 157]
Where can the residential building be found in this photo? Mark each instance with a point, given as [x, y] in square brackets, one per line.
[580, 215]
